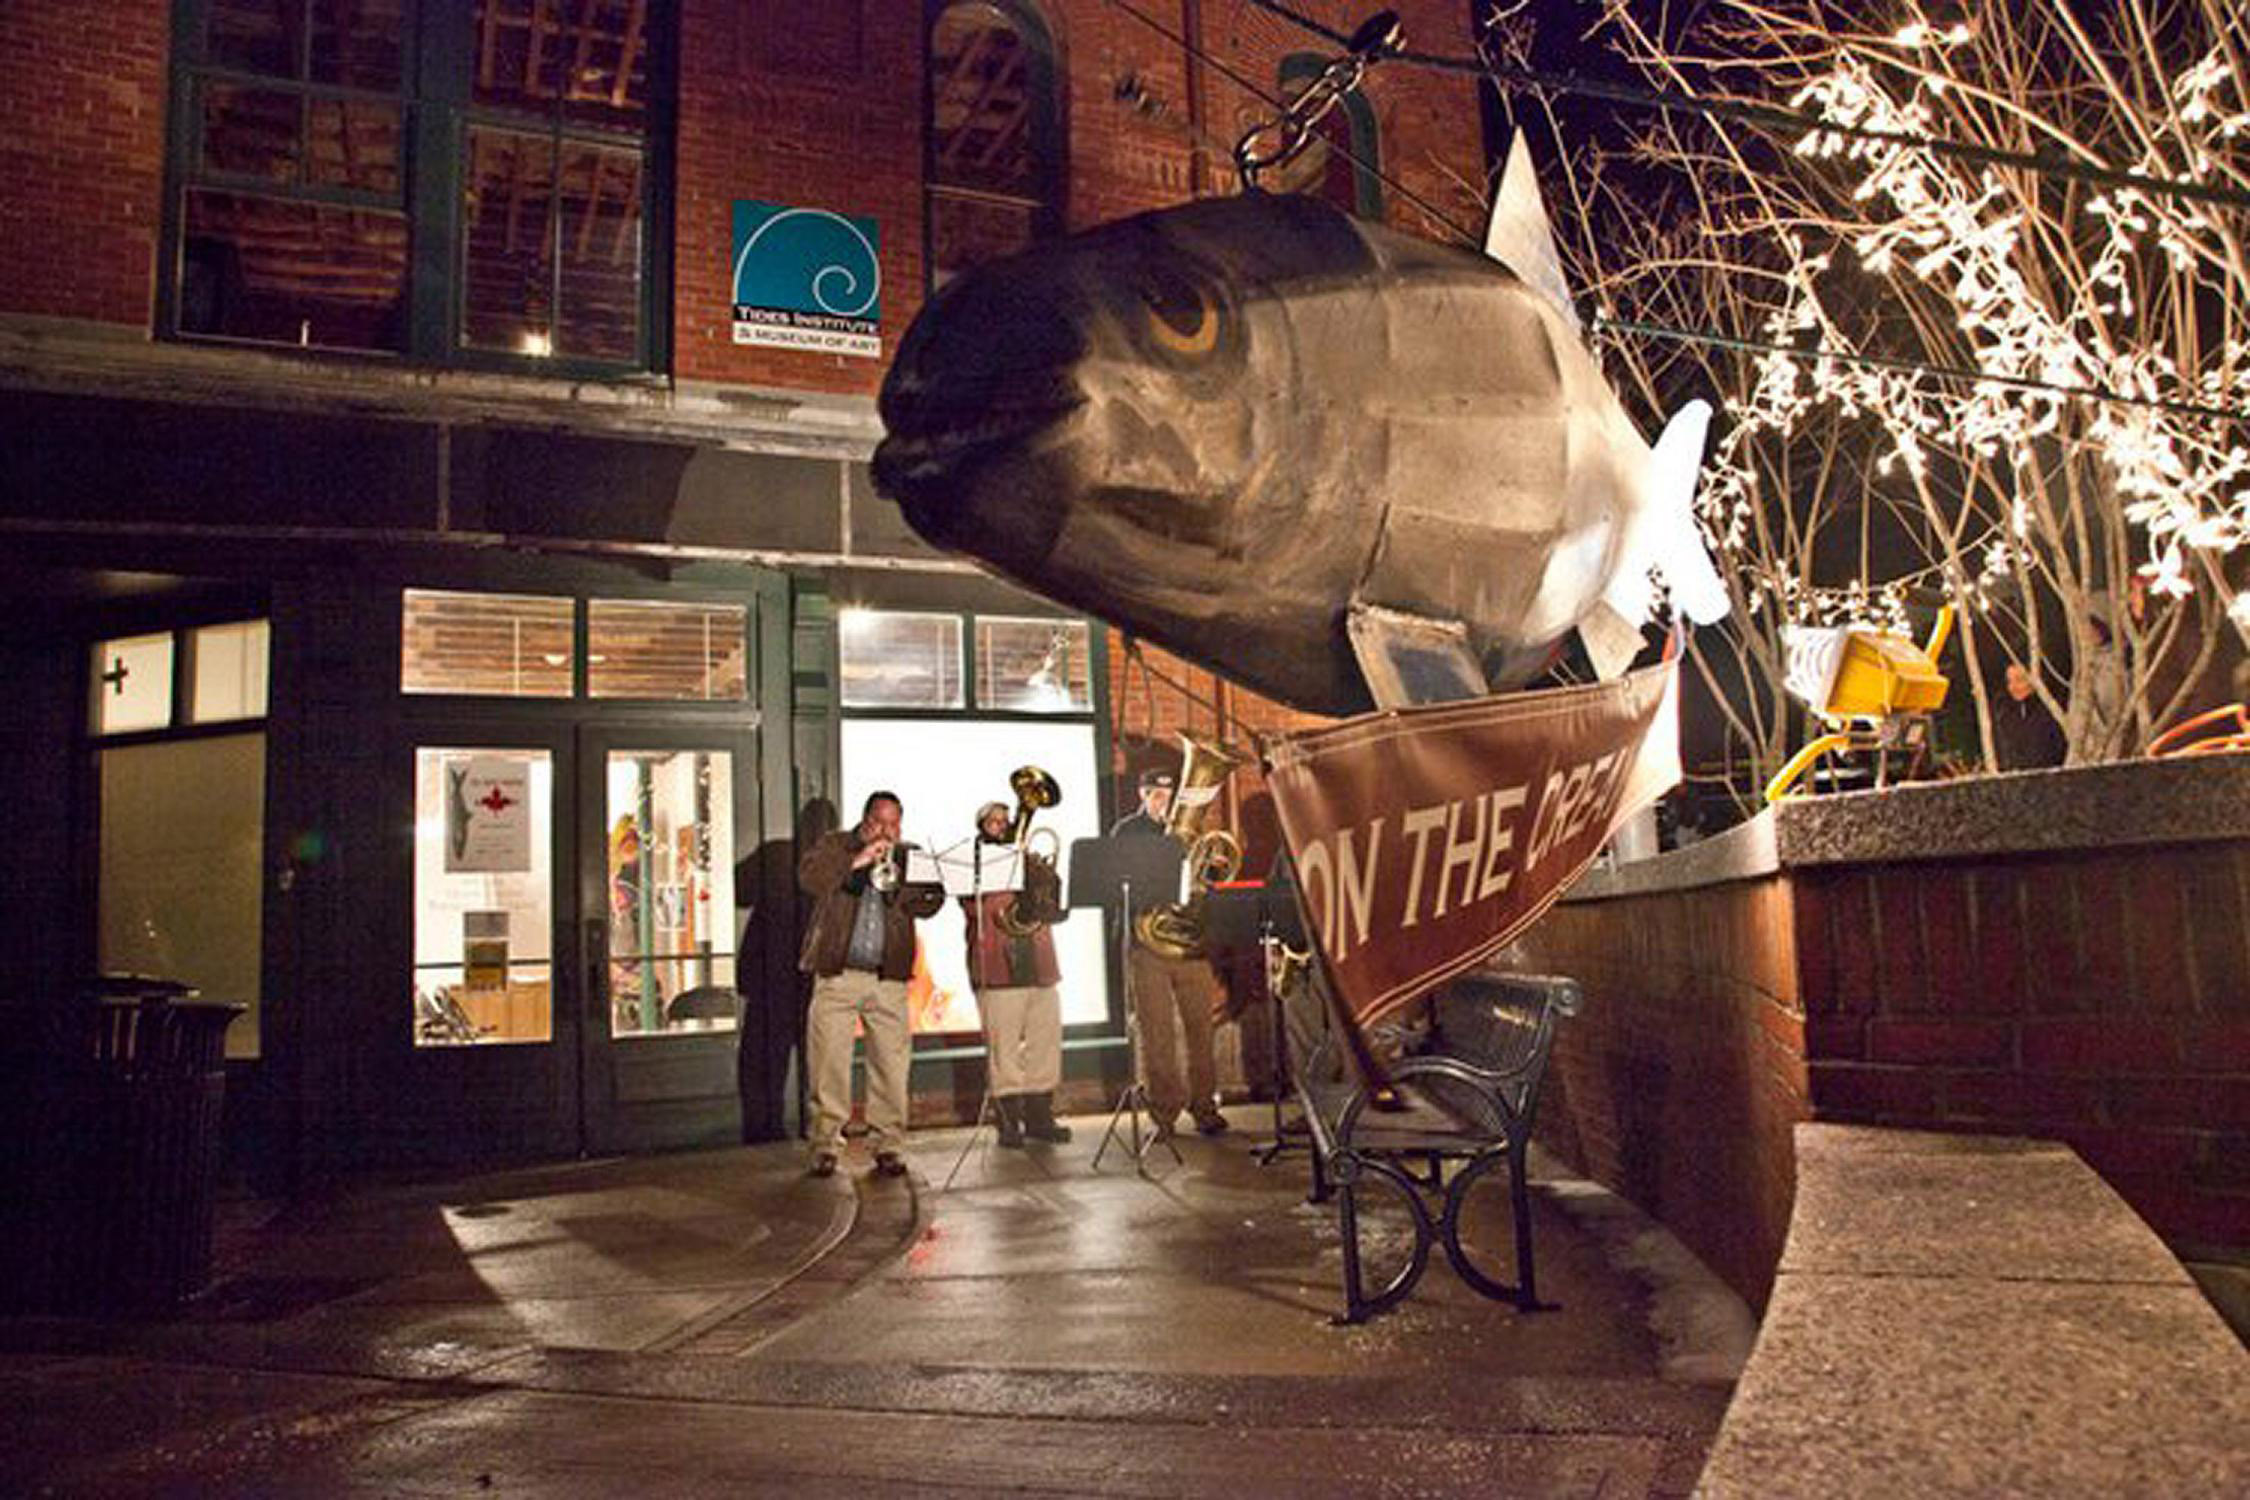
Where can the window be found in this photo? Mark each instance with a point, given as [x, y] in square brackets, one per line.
[648, 649]
[1033, 666]
[502, 645]
[890, 659]
[910, 727]
[227, 672]
[994, 138]
[671, 892]
[132, 684]
[483, 896]
[182, 868]
[180, 838]
[312, 131]
[135, 685]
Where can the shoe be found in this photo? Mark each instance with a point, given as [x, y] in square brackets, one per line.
[1213, 1123]
[1039, 1122]
[889, 1164]
[824, 1164]
[1011, 1112]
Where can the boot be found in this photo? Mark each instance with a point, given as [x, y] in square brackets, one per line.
[1009, 1107]
[1039, 1120]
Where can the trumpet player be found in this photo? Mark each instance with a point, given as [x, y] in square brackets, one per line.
[859, 948]
[1012, 969]
[1172, 997]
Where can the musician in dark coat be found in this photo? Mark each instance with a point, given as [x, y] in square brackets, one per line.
[1172, 998]
[1015, 978]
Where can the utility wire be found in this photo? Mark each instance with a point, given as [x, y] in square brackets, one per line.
[1774, 117]
[1662, 330]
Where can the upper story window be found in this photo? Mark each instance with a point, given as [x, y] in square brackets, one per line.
[324, 149]
[994, 137]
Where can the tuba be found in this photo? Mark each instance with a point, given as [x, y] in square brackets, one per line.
[1175, 929]
[1041, 901]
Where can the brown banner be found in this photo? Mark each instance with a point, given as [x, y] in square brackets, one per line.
[1426, 838]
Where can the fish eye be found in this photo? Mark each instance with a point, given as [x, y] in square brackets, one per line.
[1181, 315]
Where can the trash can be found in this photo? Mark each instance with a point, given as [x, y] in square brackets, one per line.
[140, 1076]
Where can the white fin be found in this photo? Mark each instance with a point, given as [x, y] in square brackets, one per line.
[1519, 236]
[1672, 541]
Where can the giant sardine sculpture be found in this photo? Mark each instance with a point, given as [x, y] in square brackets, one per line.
[1299, 448]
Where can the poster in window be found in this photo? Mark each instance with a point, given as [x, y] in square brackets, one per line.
[806, 278]
[487, 815]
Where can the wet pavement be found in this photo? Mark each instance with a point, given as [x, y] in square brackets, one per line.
[682, 1324]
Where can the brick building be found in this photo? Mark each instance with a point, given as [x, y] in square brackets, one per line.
[441, 600]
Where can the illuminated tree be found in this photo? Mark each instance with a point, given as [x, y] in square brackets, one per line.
[2088, 237]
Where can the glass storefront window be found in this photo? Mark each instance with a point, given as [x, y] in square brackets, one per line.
[498, 645]
[671, 891]
[682, 652]
[182, 868]
[943, 770]
[1033, 666]
[133, 684]
[894, 659]
[483, 896]
[227, 672]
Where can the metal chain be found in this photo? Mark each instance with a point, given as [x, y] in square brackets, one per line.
[1276, 142]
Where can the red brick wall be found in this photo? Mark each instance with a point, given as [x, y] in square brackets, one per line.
[81, 155]
[763, 119]
[2101, 999]
[2098, 999]
[1681, 1077]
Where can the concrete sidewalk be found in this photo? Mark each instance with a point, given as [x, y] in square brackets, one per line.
[691, 1323]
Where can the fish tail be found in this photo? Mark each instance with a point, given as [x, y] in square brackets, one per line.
[1679, 553]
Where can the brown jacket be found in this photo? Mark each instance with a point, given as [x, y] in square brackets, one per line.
[826, 874]
[998, 961]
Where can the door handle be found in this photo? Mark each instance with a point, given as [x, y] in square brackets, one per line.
[595, 936]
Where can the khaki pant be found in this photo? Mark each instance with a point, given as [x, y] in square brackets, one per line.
[880, 1005]
[1022, 1038]
[1172, 1001]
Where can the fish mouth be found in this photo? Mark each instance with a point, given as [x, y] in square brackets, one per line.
[925, 450]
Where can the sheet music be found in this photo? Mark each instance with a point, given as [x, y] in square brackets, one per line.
[921, 867]
[1002, 868]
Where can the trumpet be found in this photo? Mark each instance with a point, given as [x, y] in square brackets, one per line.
[1175, 929]
[1041, 901]
[889, 869]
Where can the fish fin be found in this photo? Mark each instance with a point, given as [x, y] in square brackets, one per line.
[1409, 659]
[1674, 544]
[1520, 237]
[1611, 640]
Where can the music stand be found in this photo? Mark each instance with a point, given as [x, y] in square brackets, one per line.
[1106, 873]
[1263, 912]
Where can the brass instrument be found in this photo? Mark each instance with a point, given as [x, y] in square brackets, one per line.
[888, 870]
[1033, 910]
[1175, 928]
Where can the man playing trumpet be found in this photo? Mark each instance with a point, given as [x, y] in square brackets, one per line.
[859, 948]
[1012, 969]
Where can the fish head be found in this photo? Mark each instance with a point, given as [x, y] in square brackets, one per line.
[1102, 416]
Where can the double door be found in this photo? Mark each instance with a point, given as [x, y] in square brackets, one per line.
[580, 902]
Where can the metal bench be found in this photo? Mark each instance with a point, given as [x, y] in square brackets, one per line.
[1466, 1092]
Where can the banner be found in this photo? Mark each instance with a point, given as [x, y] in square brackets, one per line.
[1426, 838]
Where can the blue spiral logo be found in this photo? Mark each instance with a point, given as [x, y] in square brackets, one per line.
[806, 260]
